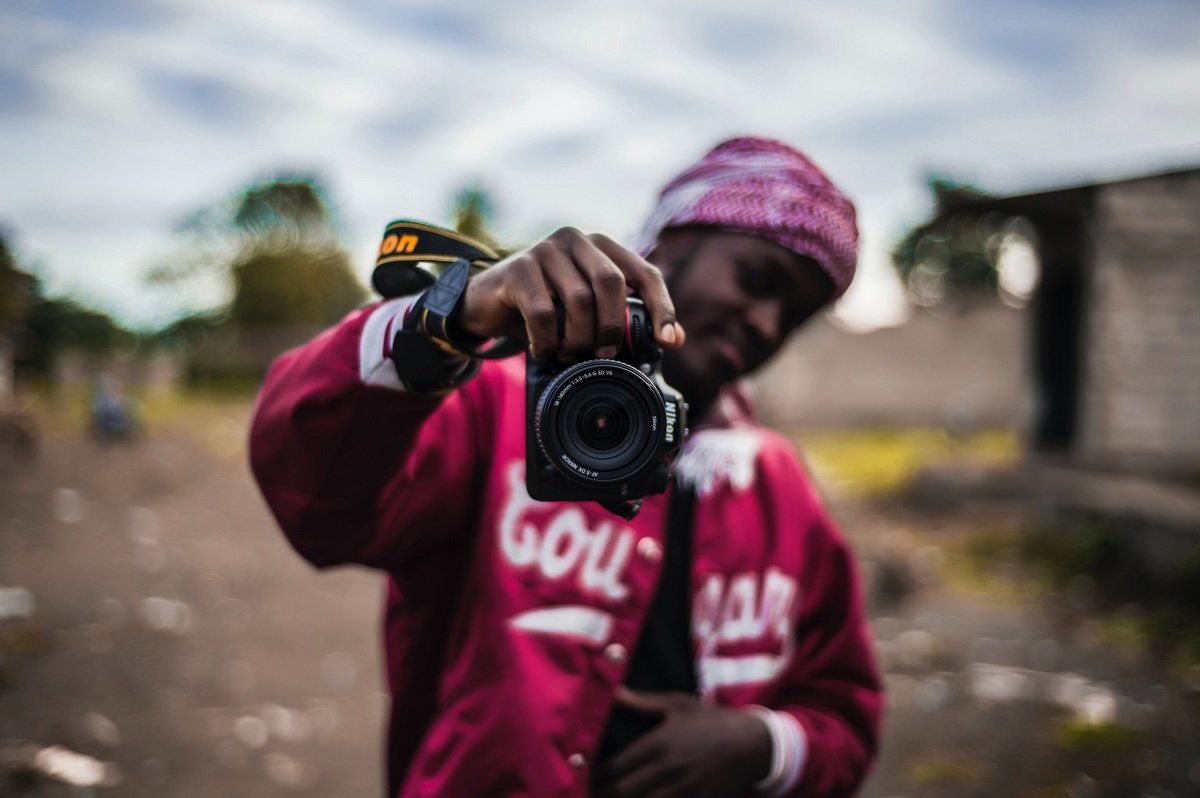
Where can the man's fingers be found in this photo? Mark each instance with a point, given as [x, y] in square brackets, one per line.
[610, 289]
[634, 771]
[590, 277]
[574, 293]
[647, 280]
[531, 297]
[595, 295]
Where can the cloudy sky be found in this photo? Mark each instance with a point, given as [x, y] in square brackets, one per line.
[119, 118]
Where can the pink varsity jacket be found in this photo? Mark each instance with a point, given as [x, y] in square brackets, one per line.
[510, 622]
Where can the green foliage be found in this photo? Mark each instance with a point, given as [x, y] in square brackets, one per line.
[1089, 547]
[951, 256]
[190, 329]
[17, 289]
[883, 461]
[43, 327]
[281, 287]
[275, 244]
[56, 325]
[292, 203]
[1105, 739]
[1141, 608]
[959, 772]
[474, 209]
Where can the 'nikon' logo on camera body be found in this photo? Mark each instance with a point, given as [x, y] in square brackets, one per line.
[670, 410]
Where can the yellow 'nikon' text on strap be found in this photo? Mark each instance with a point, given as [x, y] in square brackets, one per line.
[407, 243]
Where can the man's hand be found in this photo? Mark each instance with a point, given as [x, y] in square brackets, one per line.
[699, 750]
[589, 276]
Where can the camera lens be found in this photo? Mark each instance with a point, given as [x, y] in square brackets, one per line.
[603, 426]
[600, 421]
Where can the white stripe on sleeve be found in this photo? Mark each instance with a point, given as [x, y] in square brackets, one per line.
[375, 365]
[789, 751]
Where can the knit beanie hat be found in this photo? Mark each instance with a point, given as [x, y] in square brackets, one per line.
[766, 188]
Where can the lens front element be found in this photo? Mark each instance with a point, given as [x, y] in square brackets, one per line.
[600, 421]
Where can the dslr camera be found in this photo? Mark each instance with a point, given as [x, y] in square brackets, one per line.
[604, 430]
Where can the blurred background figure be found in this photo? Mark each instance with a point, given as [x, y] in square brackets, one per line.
[114, 416]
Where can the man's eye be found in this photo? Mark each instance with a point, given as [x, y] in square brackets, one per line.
[754, 280]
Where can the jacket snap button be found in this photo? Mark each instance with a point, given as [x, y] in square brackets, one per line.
[649, 550]
[577, 761]
[614, 652]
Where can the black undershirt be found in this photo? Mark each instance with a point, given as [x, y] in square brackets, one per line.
[662, 660]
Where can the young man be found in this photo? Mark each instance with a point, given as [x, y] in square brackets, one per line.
[715, 645]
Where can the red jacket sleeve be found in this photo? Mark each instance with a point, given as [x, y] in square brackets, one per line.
[834, 688]
[832, 685]
[354, 468]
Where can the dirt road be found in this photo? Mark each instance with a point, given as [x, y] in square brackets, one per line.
[175, 636]
[153, 619]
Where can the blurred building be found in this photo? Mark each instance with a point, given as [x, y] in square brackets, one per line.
[1101, 369]
[962, 367]
[1115, 321]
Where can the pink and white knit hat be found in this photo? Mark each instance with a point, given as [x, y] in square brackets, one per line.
[766, 188]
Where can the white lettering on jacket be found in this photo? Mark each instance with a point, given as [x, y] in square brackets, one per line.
[715, 456]
[564, 545]
[744, 607]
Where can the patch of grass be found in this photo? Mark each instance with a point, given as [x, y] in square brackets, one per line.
[1082, 737]
[1091, 547]
[1097, 558]
[873, 463]
[961, 772]
[1127, 627]
[988, 561]
[217, 419]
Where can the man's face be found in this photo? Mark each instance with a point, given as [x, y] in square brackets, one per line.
[738, 297]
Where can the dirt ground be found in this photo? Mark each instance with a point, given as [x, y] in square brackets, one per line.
[154, 621]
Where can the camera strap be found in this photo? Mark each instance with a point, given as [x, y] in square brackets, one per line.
[415, 256]
[412, 256]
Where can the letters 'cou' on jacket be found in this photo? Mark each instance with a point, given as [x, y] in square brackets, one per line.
[508, 620]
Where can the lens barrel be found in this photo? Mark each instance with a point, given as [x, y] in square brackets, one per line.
[600, 421]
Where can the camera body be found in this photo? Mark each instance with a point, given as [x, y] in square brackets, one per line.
[603, 430]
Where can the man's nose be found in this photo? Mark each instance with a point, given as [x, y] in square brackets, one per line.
[765, 317]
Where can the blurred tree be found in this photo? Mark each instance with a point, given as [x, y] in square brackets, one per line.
[42, 327]
[473, 209]
[291, 269]
[951, 259]
[277, 247]
[292, 286]
[54, 325]
[473, 216]
[16, 289]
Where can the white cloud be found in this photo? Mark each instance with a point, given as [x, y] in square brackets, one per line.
[573, 113]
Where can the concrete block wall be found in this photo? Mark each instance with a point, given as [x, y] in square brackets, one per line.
[964, 368]
[1141, 392]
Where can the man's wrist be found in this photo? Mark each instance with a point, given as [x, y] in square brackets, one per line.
[436, 312]
[789, 750]
[437, 367]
